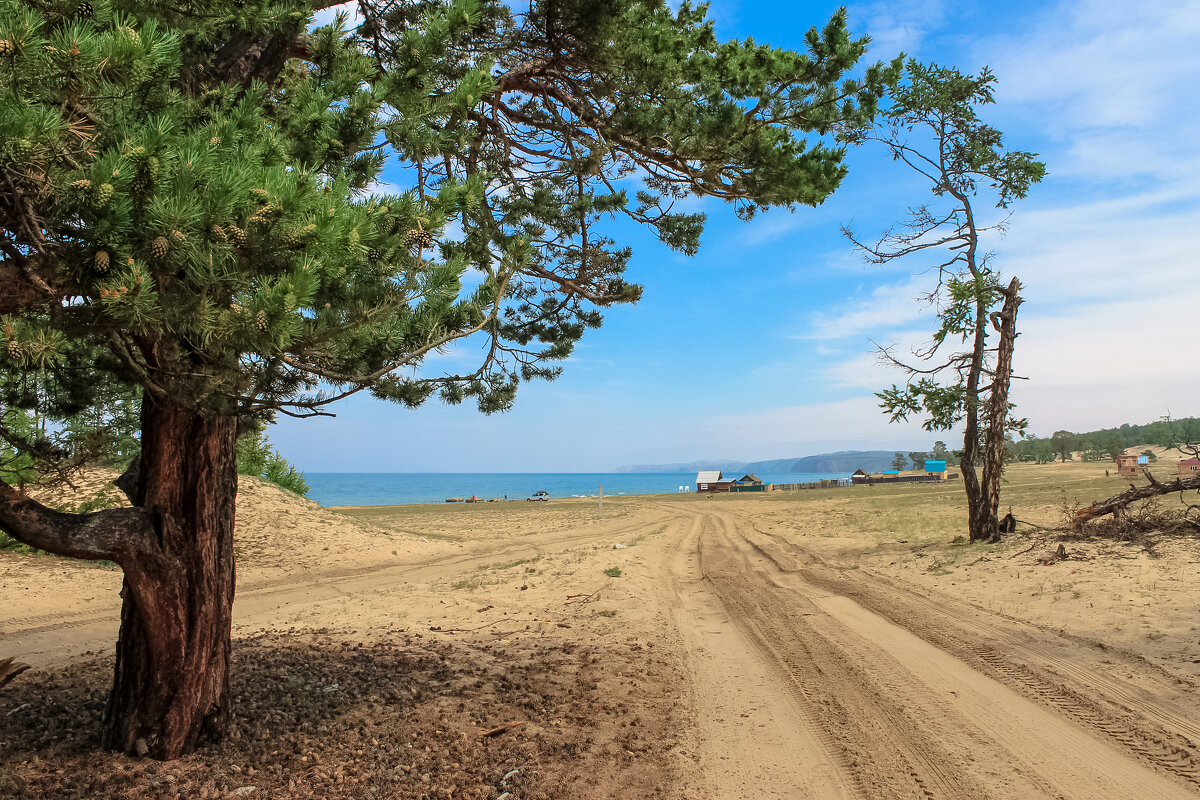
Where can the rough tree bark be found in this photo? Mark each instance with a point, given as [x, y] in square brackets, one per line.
[171, 682]
[976, 510]
[1005, 323]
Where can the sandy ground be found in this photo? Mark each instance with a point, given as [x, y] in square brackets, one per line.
[823, 644]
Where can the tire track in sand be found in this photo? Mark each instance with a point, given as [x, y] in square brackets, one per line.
[1160, 736]
[896, 715]
[754, 740]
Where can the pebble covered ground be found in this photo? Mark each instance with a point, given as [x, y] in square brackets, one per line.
[393, 714]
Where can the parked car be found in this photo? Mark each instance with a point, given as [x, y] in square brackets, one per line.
[540, 494]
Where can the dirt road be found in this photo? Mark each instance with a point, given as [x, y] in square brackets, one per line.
[805, 679]
[815, 682]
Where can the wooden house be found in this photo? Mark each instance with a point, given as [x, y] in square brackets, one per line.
[935, 469]
[1189, 468]
[859, 476]
[712, 481]
[747, 483]
[1128, 465]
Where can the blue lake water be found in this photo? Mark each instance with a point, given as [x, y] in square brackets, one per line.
[398, 488]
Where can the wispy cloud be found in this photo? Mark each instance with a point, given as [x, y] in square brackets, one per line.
[896, 27]
[1131, 247]
[886, 308]
[1104, 79]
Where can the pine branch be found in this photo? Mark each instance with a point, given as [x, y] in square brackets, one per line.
[120, 534]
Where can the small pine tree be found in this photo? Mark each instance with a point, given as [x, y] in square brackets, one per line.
[256, 456]
[933, 127]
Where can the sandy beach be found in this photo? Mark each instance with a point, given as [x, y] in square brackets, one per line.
[823, 643]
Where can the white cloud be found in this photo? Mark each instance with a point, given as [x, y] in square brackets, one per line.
[1122, 342]
[1105, 79]
[1095, 365]
[1115, 63]
[1139, 245]
[887, 307]
[325, 15]
[896, 27]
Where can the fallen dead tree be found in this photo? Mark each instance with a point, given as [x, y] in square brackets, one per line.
[1117, 503]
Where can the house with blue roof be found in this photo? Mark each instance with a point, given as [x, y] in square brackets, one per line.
[936, 469]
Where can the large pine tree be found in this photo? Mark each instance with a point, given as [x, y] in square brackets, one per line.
[190, 206]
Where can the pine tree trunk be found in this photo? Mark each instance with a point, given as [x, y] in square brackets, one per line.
[977, 516]
[977, 511]
[171, 683]
[1005, 323]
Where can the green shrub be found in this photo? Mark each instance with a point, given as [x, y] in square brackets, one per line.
[256, 457]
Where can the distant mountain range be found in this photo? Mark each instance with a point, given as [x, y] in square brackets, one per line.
[841, 461]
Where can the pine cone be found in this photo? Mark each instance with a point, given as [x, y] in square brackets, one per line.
[104, 193]
[81, 185]
[215, 140]
[14, 349]
[7, 48]
[260, 319]
[83, 10]
[141, 186]
[179, 236]
[159, 247]
[22, 148]
[265, 214]
[239, 237]
[261, 194]
[374, 255]
[219, 232]
[416, 237]
[101, 261]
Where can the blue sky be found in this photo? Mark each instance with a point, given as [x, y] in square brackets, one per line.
[760, 346]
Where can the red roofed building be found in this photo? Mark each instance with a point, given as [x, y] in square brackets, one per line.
[1189, 467]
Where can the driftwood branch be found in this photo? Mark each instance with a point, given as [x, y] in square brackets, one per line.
[581, 598]
[1026, 550]
[1118, 502]
[501, 729]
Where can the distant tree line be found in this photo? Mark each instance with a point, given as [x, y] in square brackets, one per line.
[918, 458]
[1104, 444]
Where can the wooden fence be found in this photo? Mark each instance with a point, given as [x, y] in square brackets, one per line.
[832, 483]
[835, 483]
